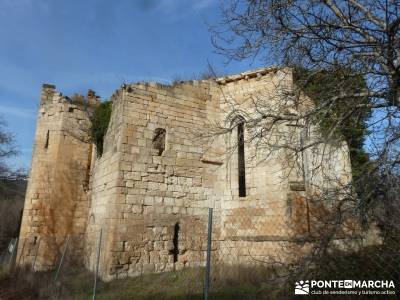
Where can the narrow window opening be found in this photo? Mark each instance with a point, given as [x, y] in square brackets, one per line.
[46, 145]
[88, 167]
[159, 140]
[92, 219]
[241, 161]
[70, 109]
[175, 242]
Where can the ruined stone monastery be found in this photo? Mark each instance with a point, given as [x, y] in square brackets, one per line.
[161, 169]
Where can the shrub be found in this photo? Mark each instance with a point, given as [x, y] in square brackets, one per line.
[100, 120]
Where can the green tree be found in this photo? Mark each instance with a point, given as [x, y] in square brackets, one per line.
[100, 120]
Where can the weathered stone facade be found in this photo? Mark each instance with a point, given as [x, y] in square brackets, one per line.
[150, 190]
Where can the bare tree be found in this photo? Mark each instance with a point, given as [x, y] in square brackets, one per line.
[12, 188]
[7, 149]
[345, 57]
[358, 34]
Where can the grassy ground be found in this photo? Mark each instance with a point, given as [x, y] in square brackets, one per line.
[227, 282]
[174, 285]
[186, 284]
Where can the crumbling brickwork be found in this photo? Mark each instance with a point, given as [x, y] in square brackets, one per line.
[159, 173]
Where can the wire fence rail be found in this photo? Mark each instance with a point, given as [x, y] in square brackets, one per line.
[234, 266]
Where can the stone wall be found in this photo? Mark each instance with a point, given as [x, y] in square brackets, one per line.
[152, 193]
[163, 166]
[156, 209]
[56, 202]
[254, 226]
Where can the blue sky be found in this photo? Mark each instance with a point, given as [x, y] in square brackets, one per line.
[97, 44]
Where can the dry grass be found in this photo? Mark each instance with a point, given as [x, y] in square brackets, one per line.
[238, 283]
[227, 281]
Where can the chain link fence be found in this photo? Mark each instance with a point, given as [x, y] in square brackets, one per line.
[230, 263]
[32, 269]
[70, 268]
[303, 248]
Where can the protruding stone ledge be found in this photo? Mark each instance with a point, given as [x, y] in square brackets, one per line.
[281, 238]
[297, 186]
[259, 238]
[212, 162]
[257, 73]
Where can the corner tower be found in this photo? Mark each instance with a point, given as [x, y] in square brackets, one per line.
[56, 202]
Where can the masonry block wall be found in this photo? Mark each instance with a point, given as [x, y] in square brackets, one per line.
[160, 171]
[56, 203]
[253, 224]
[158, 188]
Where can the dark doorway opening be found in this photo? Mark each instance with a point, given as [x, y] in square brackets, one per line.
[175, 241]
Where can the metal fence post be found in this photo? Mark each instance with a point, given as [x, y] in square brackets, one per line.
[14, 246]
[208, 262]
[22, 253]
[97, 265]
[36, 254]
[62, 259]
